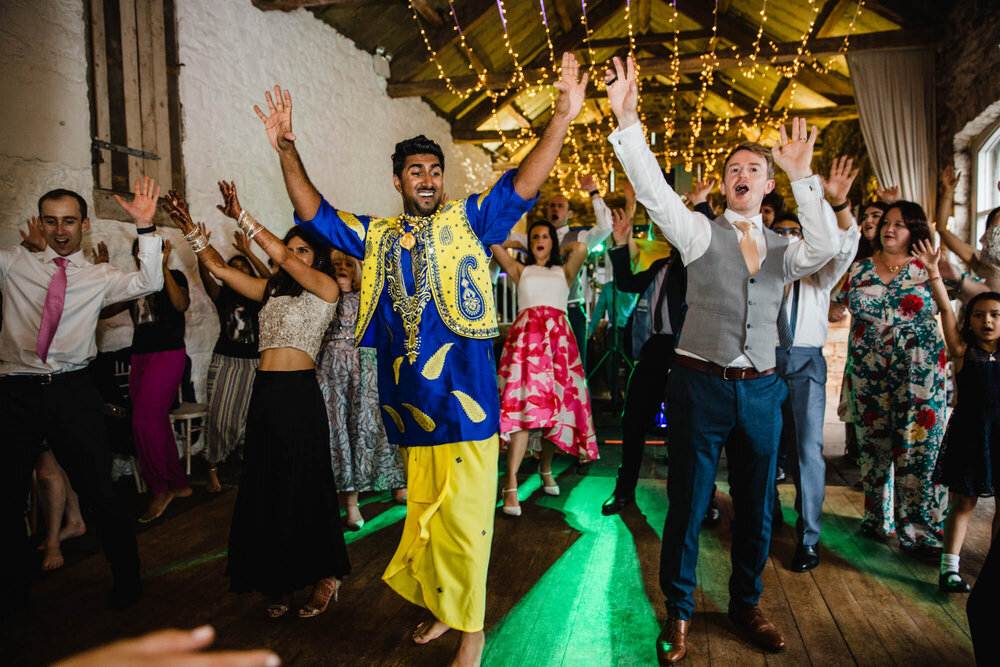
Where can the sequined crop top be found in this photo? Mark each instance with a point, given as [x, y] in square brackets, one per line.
[297, 322]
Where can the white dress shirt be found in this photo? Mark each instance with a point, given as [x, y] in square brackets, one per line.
[691, 232]
[811, 323]
[24, 281]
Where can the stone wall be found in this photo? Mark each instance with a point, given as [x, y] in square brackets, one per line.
[968, 60]
[230, 53]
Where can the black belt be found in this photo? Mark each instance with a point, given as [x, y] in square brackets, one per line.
[41, 379]
[724, 372]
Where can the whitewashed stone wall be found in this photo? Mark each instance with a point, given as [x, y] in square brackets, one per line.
[231, 53]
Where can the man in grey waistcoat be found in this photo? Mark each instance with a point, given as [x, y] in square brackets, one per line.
[724, 381]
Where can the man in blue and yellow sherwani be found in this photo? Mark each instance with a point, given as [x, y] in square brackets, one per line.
[427, 307]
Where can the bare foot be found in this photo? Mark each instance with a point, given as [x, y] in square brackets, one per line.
[470, 649]
[428, 631]
[53, 558]
[213, 486]
[75, 529]
[157, 506]
[182, 493]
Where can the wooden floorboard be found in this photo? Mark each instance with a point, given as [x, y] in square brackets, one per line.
[567, 586]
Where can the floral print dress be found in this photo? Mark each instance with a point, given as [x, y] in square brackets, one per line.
[897, 359]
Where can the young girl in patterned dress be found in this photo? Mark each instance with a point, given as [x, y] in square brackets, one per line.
[542, 383]
[897, 362]
[969, 461]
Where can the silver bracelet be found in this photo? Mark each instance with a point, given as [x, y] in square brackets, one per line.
[198, 243]
[248, 225]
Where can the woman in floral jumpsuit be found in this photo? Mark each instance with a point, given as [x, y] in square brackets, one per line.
[897, 359]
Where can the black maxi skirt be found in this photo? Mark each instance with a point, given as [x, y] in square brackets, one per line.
[286, 531]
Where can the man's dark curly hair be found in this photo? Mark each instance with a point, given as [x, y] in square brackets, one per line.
[418, 145]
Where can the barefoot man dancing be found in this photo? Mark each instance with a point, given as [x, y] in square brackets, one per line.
[427, 308]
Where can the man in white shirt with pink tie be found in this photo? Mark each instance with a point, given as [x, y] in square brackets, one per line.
[52, 297]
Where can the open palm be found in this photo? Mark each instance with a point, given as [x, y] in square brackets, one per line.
[623, 91]
[278, 120]
[572, 87]
[142, 208]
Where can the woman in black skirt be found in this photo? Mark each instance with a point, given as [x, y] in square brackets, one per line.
[286, 530]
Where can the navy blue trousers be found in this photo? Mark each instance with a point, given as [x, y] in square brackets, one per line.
[702, 412]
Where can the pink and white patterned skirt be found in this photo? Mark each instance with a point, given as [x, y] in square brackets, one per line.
[542, 383]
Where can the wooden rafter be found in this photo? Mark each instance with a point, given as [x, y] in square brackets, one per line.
[411, 60]
[597, 17]
[656, 38]
[811, 115]
[291, 5]
[690, 63]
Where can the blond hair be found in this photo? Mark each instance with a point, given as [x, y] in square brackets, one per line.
[336, 255]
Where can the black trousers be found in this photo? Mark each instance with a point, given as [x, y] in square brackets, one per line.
[646, 391]
[982, 605]
[65, 413]
[578, 323]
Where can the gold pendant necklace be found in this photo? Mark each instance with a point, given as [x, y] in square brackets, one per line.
[408, 237]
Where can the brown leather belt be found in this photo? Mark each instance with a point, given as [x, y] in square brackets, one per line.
[724, 372]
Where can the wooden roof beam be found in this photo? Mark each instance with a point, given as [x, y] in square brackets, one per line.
[691, 63]
[597, 17]
[409, 62]
[811, 115]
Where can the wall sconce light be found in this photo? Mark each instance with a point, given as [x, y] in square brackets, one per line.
[380, 60]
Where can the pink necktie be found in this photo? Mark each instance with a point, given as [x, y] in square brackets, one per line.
[54, 300]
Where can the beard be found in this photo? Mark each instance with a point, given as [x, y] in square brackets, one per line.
[990, 241]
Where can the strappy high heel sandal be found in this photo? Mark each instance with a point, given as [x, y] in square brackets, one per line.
[355, 524]
[323, 591]
[551, 489]
[511, 510]
[278, 606]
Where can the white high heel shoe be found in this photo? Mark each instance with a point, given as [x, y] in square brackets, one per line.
[509, 510]
[550, 489]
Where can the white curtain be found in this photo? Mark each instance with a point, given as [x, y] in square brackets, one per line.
[894, 91]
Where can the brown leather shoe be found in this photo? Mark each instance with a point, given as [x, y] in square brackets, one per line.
[671, 645]
[762, 631]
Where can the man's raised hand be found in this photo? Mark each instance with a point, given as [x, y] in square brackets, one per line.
[586, 183]
[623, 92]
[278, 120]
[841, 178]
[99, 255]
[621, 226]
[794, 155]
[700, 191]
[34, 240]
[142, 208]
[572, 88]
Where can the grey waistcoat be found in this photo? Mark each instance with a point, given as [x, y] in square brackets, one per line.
[729, 311]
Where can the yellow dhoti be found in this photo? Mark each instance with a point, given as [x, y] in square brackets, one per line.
[444, 554]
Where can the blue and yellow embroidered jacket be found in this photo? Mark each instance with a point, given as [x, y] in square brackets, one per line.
[430, 312]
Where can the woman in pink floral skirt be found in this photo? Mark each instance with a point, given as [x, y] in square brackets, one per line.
[542, 382]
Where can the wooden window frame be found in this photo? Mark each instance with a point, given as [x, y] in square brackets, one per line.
[134, 101]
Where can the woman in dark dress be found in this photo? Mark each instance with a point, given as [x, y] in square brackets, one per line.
[286, 530]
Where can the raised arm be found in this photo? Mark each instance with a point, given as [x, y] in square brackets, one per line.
[317, 282]
[208, 257]
[178, 294]
[595, 236]
[689, 232]
[574, 262]
[148, 279]
[837, 186]
[819, 223]
[949, 179]
[537, 165]
[242, 245]
[511, 266]
[929, 256]
[278, 125]
[207, 279]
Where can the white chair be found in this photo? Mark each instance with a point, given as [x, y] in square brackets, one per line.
[183, 420]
